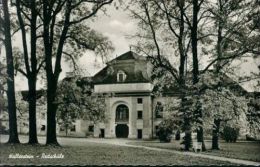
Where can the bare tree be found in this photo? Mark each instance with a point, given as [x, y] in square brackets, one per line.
[13, 135]
[56, 33]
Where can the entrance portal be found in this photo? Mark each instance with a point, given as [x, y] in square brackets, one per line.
[122, 131]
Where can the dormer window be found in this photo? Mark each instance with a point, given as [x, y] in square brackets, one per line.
[121, 76]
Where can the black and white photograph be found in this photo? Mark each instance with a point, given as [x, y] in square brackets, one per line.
[130, 82]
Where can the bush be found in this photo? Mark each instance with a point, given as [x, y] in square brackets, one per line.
[230, 134]
[3, 130]
[164, 134]
[250, 138]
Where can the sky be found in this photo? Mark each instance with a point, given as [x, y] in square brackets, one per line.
[117, 24]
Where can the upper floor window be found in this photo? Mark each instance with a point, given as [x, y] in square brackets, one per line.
[121, 76]
[43, 128]
[139, 114]
[139, 100]
[122, 113]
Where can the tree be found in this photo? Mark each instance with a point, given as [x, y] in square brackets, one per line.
[75, 101]
[236, 28]
[57, 31]
[194, 45]
[232, 36]
[165, 31]
[28, 17]
[13, 135]
[220, 104]
[253, 115]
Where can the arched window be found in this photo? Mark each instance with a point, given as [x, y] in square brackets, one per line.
[122, 113]
[121, 76]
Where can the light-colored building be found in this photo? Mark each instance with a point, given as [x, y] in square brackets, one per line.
[131, 108]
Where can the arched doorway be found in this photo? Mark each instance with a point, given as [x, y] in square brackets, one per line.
[122, 118]
[122, 131]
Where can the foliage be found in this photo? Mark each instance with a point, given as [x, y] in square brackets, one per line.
[219, 100]
[216, 100]
[3, 78]
[230, 134]
[164, 132]
[253, 116]
[75, 101]
[23, 110]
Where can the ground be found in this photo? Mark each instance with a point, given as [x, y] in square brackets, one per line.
[241, 150]
[84, 151]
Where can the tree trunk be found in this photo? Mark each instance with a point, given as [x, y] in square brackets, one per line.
[32, 81]
[187, 125]
[215, 134]
[194, 41]
[181, 46]
[31, 71]
[51, 138]
[66, 130]
[200, 138]
[13, 135]
[187, 140]
[194, 44]
[32, 111]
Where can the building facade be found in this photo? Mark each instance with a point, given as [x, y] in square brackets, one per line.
[132, 111]
[130, 106]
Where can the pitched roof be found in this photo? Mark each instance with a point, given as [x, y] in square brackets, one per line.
[128, 56]
[135, 71]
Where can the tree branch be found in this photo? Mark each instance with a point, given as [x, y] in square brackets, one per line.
[99, 6]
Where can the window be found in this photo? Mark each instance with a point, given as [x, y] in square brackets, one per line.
[139, 100]
[159, 110]
[43, 128]
[91, 128]
[122, 113]
[73, 128]
[121, 76]
[139, 114]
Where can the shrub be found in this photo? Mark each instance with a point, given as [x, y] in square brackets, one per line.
[230, 134]
[3, 130]
[250, 138]
[164, 134]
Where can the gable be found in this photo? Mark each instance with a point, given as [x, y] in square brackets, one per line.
[134, 67]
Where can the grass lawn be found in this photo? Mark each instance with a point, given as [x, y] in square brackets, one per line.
[98, 154]
[240, 150]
